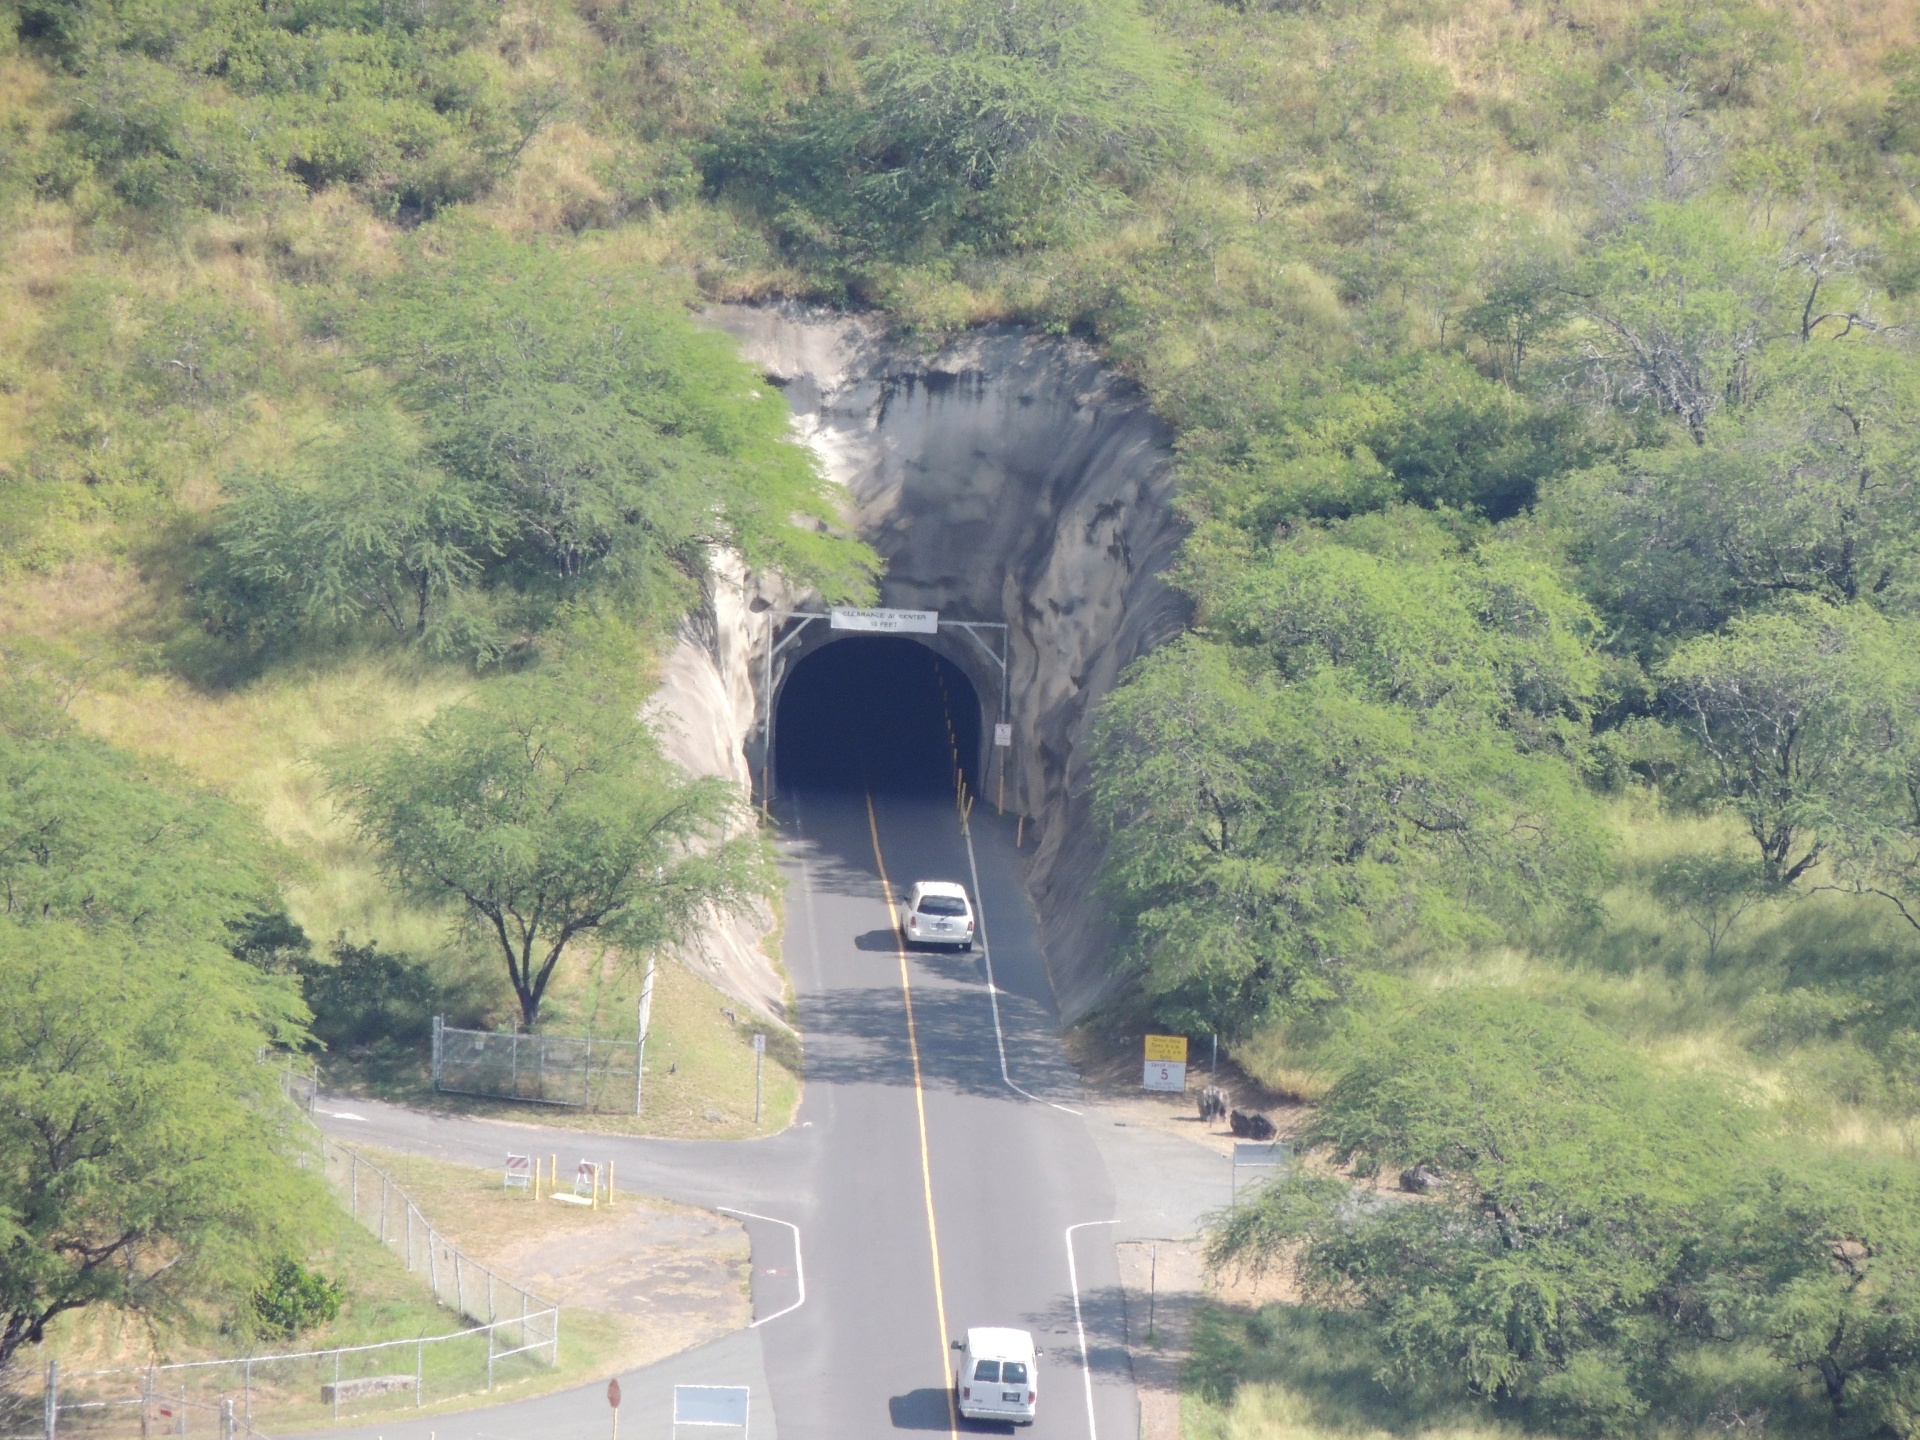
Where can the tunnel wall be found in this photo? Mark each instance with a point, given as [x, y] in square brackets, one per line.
[1003, 476]
[704, 711]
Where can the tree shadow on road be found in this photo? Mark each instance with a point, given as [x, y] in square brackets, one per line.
[859, 1036]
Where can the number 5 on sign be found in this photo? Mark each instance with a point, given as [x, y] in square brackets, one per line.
[1166, 1062]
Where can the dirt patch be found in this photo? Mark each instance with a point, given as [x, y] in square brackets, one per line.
[674, 1276]
[678, 1276]
[1109, 1067]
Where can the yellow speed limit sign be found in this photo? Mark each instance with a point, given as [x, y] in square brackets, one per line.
[1166, 1067]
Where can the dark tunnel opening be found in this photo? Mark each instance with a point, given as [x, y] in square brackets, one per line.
[876, 712]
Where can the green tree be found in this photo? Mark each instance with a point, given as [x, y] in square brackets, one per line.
[146, 1157]
[1819, 1259]
[97, 837]
[598, 434]
[362, 993]
[1413, 616]
[545, 812]
[1266, 838]
[1711, 891]
[1808, 490]
[363, 526]
[1795, 713]
[295, 1298]
[976, 124]
[1681, 302]
[1554, 1258]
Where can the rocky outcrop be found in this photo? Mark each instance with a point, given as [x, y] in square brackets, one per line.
[1003, 476]
[704, 711]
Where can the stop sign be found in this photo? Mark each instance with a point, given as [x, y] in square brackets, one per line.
[613, 1393]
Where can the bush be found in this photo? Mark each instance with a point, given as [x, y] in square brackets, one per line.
[295, 1299]
[363, 993]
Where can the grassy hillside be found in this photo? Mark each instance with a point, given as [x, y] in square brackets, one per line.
[1544, 389]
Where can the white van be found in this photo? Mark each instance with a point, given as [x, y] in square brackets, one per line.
[938, 914]
[996, 1379]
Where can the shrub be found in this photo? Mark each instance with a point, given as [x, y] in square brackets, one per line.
[363, 993]
[294, 1299]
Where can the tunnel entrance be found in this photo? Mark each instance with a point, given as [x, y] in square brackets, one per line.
[876, 712]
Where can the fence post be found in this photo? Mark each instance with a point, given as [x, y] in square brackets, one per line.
[489, 1357]
[419, 1369]
[226, 1417]
[586, 1076]
[490, 1299]
[409, 1236]
[52, 1399]
[459, 1292]
[336, 1385]
[353, 1187]
[247, 1382]
[433, 1265]
[383, 1207]
[513, 1080]
[439, 1024]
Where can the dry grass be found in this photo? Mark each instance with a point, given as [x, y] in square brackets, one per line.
[261, 746]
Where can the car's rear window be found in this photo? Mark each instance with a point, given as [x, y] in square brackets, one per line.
[987, 1370]
[942, 905]
[1013, 1373]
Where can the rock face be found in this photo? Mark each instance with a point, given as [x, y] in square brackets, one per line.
[1003, 476]
[704, 712]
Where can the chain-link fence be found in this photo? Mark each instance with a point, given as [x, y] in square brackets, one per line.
[299, 1078]
[587, 1072]
[515, 1333]
[458, 1282]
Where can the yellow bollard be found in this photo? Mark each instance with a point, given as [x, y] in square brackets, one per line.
[553, 1174]
[609, 1184]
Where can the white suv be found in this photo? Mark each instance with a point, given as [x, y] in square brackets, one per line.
[938, 914]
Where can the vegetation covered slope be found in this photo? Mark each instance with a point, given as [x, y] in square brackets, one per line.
[1546, 403]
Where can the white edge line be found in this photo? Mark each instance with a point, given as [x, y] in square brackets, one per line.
[993, 990]
[799, 1264]
[1073, 1283]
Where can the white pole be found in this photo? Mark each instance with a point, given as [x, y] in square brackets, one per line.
[645, 1017]
[766, 726]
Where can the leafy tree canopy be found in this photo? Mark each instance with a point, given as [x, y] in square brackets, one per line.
[1804, 717]
[94, 837]
[973, 124]
[543, 812]
[1594, 1232]
[1269, 837]
[145, 1155]
[564, 431]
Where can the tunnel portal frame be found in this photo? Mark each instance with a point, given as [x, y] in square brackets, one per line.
[968, 661]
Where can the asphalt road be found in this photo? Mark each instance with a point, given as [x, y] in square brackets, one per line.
[931, 1189]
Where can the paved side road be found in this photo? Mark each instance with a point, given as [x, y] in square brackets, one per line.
[934, 1185]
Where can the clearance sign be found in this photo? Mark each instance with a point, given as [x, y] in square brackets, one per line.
[1166, 1062]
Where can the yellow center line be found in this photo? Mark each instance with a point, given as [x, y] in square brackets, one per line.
[920, 1105]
